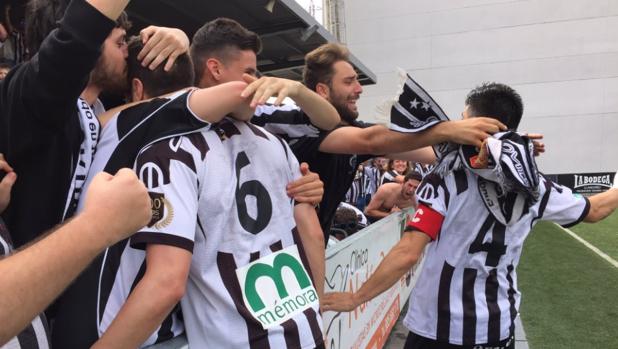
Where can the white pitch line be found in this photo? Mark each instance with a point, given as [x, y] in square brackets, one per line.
[590, 246]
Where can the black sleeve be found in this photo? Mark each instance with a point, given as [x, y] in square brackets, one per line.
[39, 92]
[306, 148]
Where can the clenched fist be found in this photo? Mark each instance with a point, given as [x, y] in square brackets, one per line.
[118, 204]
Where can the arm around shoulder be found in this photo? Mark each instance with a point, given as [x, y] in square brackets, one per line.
[214, 103]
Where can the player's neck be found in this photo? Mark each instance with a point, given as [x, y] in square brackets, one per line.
[90, 94]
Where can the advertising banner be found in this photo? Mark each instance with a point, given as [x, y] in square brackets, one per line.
[585, 183]
[348, 265]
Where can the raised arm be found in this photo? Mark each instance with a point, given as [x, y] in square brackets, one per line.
[116, 206]
[213, 103]
[321, 113]
[396, 263]
[110, 8]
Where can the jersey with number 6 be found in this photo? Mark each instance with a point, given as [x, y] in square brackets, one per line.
[221, 194]
[467, 291]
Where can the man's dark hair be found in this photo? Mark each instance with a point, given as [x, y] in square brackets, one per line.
[158, 82]
[219, 38]
[319, 64]
[5, 65]
[42, 16]
[496, 101]
[414, 175]
[346, 219]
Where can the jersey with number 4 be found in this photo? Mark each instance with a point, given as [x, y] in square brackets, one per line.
[467, 291]
[221, 194]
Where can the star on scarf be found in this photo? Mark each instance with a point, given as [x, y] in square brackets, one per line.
[414, 104]
[425, 106]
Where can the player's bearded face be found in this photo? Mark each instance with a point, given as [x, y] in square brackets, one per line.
[110, 72]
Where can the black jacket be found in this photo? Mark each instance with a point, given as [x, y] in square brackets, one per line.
[40, 134]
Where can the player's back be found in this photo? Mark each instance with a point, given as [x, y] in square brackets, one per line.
[220, 194]
[467, 292]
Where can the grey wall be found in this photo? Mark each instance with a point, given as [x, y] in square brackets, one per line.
[560, 55]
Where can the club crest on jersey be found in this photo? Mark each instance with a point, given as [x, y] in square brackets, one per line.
[277, 287]
[162, 211]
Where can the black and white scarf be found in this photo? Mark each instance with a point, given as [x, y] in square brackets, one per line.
[90, 127]
[507, 171]
[412, 110]
[508, 181]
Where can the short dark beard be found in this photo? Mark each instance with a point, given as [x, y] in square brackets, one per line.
[106, 82]
[345, 113]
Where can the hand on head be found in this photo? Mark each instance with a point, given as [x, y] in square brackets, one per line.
[162, 43]
[473, 131]
[119, 204]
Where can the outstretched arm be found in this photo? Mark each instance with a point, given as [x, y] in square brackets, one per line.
[208, 104]
[603, 204]
[116, 206]
[424, 155]
[213, 103]
[396, 263]
[313, 242]
[380, 140]
[321, 113]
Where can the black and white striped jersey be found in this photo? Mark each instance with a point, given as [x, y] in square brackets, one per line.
[371, 175]
[337, 171]
[221, 194]
[467, 291]
[120, 268]
[36, 335]
[389, 177]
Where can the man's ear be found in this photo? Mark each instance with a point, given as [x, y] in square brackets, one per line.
[214, 67]
[137, 90]
[322, 89]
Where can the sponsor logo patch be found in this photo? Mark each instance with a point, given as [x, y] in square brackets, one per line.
[277, 287]
[162, 211]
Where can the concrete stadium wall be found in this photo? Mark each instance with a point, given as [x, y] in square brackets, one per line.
[560, 55]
